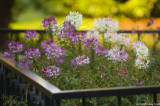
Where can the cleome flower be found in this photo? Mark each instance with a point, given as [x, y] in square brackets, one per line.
[52, 71]
[30, 34]
[25, 62]
[49, 23]
[75, 18]
[15, 47]
[106, 24]
[92, 34]
[32, 53]
[80, 61]
[48, 43]
[141, 62]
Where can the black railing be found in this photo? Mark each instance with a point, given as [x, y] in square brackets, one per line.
[14, 34]
[24, 83]
[16, 80]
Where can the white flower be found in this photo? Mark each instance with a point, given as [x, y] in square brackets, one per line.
[75, 18]
[119, 39]
[140, 48]
[141, 62]
[106, 24]
[92, 34]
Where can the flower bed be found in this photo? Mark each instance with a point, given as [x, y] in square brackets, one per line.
[99, 58]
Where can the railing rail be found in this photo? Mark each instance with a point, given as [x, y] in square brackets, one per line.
[40, 91]
[51, 95]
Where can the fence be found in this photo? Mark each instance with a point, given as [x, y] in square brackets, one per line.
[15, 33]
[24, 83]
[16, 80]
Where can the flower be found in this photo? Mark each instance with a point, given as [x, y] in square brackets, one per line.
[141, 62]
[100, 50]
[9, 54]
[150, 22]
[119, 75]
[91, 43]
[30, 34]
[75, 18]
[48, 43]
[106, 24]
[15, 47]
[92, 34]
[67, 30]
[140, 84]
[125, 72]
[25, 62]
[55, 52]
[117, 55]
[52, 71]
[32, 53]
[118, 39]
[140, 48]
[158, 28]
[49, 23]
[80, 61]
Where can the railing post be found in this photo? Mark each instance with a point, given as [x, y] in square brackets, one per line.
[119, 100]
[154, 99]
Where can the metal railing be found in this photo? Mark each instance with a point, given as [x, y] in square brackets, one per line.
[16, 80]
[25, 83]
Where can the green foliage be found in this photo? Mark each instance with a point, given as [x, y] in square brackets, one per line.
[13, 100]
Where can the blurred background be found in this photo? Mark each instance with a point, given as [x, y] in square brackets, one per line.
[131, 14]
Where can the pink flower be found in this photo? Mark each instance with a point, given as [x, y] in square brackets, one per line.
[125, 72]
[101, 75]
[107, 78]
[119, 75]
[141, 83]
[117, 69]
[43, 70]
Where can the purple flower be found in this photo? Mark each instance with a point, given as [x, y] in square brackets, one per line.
[78, 37]
[52, 71]
[158, 28]
[80, 61]
[9, 54]
[32, 53]
[91, 43]
[55, 52]
[48, 43]
[67, 30]
[15, 47]
[25, 62]
[48, 23]
[150, 22]
[61, 60]
[30, 34]
[100, 50]
[117, 55]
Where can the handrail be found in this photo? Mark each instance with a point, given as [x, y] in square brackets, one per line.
[29, 76]
[43, 31]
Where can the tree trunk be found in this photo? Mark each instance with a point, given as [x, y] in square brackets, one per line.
[5, 18]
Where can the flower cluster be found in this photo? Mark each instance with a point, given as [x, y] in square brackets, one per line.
[14, 47]
[92, 34]
[51, 71]
[48, 44]
[32, 53]
[75, 18]
[49, 23]
[106, 24]
[100, 50]
[141, 51]
[55, 52]
[119, 39]
[25, 62]
[80, 61]
[91, 43]
[67, 30]
[30, 34]
[117, 55]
